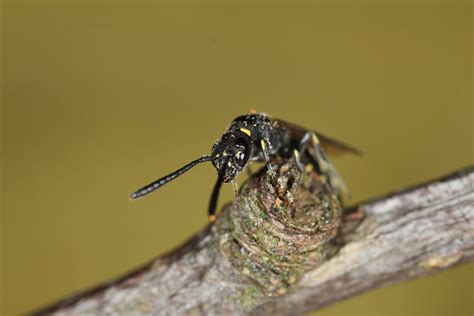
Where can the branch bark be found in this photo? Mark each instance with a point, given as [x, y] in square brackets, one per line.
[268, 254]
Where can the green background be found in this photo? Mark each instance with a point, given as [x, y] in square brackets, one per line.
[100, 98]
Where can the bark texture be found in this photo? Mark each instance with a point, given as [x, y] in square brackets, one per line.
[274, 252]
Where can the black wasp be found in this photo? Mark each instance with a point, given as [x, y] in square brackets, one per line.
[258, 137]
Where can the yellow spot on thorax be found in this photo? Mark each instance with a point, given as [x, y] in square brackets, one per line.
[262, 143]
[246, 131]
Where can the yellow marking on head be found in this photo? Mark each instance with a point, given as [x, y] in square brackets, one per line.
[308, 168]
[315, 138]
[212, 218]
[246, 131]
[262, 143]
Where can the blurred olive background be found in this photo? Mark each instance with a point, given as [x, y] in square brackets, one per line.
[99, 98]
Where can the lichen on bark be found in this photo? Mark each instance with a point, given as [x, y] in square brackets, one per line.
[272, 236]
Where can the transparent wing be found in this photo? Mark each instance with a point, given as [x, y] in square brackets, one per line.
[332, 146]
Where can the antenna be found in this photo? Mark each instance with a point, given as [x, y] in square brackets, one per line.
[162, 181]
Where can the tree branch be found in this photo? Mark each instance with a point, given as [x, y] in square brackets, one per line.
[269, 254]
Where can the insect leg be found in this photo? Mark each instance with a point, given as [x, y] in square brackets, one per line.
[301, 168]
[296, 153]
[302, 145]
[213, 201]
[326, 168]
[264, 143]
[304, 142]
[236, 187]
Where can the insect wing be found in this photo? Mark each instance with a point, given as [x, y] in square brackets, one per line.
[333, 147]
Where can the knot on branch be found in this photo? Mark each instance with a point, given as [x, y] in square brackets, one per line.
[272, 236]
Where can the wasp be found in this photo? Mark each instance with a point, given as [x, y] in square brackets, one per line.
[258, 137]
